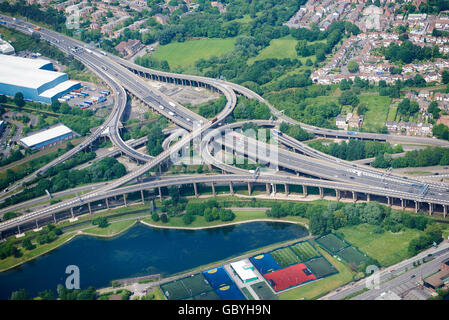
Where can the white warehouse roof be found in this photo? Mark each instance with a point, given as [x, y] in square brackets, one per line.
[244, 270]
[20, 62]
[45, 135]
[58, 88]
[22, 76]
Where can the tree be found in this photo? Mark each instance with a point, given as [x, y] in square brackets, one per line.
[26, 244]
[164, 218]
[46, 295]
[101, 222]
[445, 77]
[21, 294]
[353, 66]
[188, 218]
[19, 100]
[155, 217]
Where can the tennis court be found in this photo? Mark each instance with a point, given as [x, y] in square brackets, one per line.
[320, 267]
[263, 291]
[196, 284]
[285, 257]
[352, 255]
[230, 292]
[289, 277]
[175, 290]
[304, 250]
[332, 243]
[217, 277]
[265, 263]
[209, 295]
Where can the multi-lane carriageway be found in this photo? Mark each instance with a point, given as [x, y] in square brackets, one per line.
[112, 70]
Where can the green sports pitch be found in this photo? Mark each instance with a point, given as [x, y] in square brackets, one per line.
[185, 288]
[285, 257]
[320, 267]
[352, 255]
[332, 243]
[304, 250]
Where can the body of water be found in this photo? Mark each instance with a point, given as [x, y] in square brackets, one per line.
[142, 250]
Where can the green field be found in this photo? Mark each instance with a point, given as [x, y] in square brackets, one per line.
[352, 255]
[285, 257]
[112, 229]
[263, 291]
[304, 250]
[377, 112]
[209, 295]
[392, 113]
[320, 267]
[388, 248]
[196, 284]
[184, 54]
[332, 243]
[279, 49]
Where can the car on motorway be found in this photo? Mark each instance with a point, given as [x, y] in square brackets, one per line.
[171, 113]
[161, 107]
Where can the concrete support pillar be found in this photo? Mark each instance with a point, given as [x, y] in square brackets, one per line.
[231, 188]
[71, 211]
[37, 225]
[304, 190]
[143, 198]
[90, 209]
[286, 189]
[354, 196]
[107, 203]
[195, 189]
[249, 188]
[160, 192]
[54, 217]
[430, 208]
[402, 204]
[18, 229]
[444, 210]
[213, 189]
[416, 206]
[321, 192]
[124, 199]
[389, 201]
[368, 197]
[338, 194]
[160, 169]
[209, 167]
[267, 188]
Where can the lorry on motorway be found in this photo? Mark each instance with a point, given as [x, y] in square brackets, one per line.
[37, 28]
[2, 22]
[172, 104]
[88, 102]
[171, 113]
[103, 53]
[213, 120]
[161, 107]
[277, 132]
[88, 50]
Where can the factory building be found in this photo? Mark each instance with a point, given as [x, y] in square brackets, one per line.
[34, 78]
[47, 138]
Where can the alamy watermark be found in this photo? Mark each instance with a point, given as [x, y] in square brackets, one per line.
[373, 281]
[73, 280]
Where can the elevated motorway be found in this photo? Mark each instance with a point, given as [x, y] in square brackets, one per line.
[199, 80]
[194, 179]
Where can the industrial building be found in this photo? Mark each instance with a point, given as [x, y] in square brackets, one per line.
[47, 138]
[34, 78]
[244, 270]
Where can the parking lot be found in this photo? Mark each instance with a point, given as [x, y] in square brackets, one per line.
[89, 96]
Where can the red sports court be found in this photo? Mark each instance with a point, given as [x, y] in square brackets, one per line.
[289, 277]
